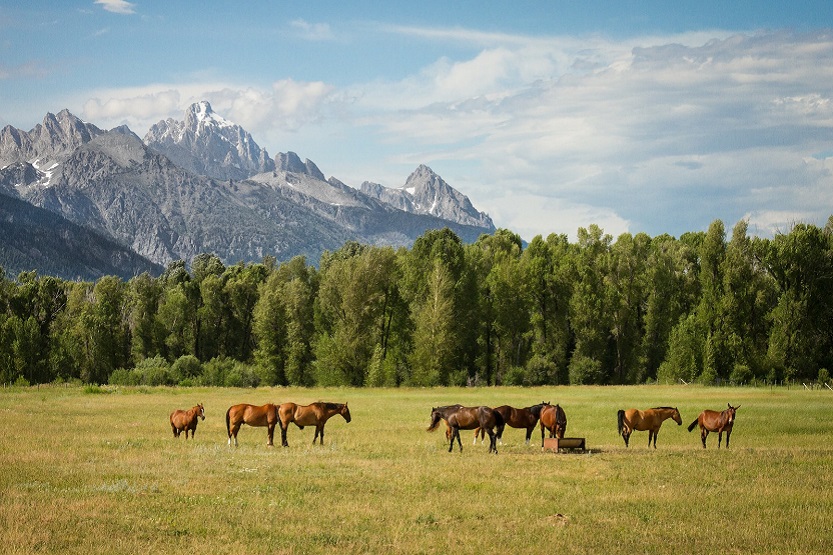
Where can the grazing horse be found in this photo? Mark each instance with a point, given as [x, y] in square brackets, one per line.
[307, 415]
[641, 420]
[265, 415]
[186, 420]
[713, 421]
[553, 419]
[467, 418]
[515, 418]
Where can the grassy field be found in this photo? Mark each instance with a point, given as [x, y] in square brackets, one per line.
[91, 472]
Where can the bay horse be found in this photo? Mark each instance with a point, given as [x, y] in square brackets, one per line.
[264, 415]
[650, 419]
[459, 418]
[315, 414]
[553, 419]
[713, 421]
[515, 418]
[186, 420]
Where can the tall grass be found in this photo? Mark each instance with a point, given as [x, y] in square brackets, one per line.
[87, 471]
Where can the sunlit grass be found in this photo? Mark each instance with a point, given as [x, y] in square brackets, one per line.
[99, 472]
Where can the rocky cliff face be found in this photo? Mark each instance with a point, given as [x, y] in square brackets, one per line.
[425, 192]
[206, 144]
[115, 184]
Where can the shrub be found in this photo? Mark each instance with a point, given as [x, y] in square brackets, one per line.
[186, 367]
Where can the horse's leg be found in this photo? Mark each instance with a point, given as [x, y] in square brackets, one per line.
[321, 437]
[270, 435]
[719, 438]
[728, 433]
[704, 433]
[492, 441]
[476, 433]
[529, 434]
[284, 443]
[234, 429]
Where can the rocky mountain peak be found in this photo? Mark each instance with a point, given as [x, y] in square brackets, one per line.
[291, 162]
[425, 192]
[207, 144]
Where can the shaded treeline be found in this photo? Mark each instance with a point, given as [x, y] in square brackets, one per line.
[598, 311]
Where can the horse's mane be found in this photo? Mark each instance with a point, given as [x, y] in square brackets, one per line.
[333, 406]
[663, 408]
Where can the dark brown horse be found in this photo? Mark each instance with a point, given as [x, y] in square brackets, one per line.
[641, 420]
[515, 418]
[553, 419]
[467, 418]
[315, 414]
[713, 421]
[186, 420]
[265, 415]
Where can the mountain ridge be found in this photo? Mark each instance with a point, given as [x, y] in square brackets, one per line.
[150, 196]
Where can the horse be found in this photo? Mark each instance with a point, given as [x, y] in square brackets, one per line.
[713, 421]
[186, 420]
[641, 420]
[265, 415]
[553, 419]
[516, 418]
[459, 418]
[307, 415]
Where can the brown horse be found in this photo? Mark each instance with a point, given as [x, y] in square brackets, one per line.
[515, 418]
[713, 421]
[308, 415]
[186, 420]
[467, 418]
[553, 419]
[641, 420]
[265, 415]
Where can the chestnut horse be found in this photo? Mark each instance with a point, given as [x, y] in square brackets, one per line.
[315, 414]
[467, 418]
[713, 421]
[553, 419]
[265, 415]
[515, 418]
[641, 420]
[186, 420]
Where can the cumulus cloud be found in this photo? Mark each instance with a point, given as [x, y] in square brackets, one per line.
[117, 6]
[697, 131]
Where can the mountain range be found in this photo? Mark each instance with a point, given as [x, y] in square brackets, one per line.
[200, 185]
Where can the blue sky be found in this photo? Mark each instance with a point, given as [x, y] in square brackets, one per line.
[654, 117]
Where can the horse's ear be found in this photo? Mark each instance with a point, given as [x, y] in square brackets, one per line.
[737, 407]
[729, 405]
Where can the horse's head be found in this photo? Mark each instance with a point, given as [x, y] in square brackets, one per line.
[345, 412]
[730, 413]
[676, 416]
[200, 411]
[560, 422]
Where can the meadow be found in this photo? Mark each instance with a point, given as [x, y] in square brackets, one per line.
[97, 470]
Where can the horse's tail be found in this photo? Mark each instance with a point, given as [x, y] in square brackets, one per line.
[621, 421]
[693, 424]
[500, 422]
[228, 421]
[435, 421]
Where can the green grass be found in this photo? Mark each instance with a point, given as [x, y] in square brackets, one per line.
[98, 471]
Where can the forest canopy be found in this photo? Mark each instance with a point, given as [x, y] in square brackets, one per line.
[702, 307]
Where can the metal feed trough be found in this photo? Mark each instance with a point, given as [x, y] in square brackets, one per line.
[567, 443]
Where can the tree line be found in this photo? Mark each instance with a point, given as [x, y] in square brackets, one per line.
[701, 307]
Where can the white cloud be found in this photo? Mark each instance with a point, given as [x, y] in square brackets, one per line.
[312, 31]
[693, 131]
[117, 6]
